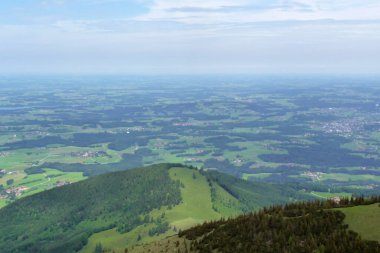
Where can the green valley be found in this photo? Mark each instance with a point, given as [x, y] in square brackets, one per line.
[180, 126]
[323, 139]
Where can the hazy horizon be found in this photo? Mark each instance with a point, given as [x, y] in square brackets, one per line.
[162, 81]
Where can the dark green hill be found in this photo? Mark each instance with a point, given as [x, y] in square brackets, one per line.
[310, 227]
[61, 219]
[133, 206]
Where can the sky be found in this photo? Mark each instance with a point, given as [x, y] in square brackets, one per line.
[189, 36]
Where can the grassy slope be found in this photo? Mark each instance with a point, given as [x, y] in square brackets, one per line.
[197, 204]
[195, 208]
[225, 203]
[364, 220]
[3, 203]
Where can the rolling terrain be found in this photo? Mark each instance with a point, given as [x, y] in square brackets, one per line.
[319, 134]
[120, 209]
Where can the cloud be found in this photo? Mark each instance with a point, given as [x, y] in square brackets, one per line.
[242, 11]
[193, 36]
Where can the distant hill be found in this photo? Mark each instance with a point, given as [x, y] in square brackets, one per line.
[116, 210]
[309, 227]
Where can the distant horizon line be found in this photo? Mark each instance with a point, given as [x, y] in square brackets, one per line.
[124, 74]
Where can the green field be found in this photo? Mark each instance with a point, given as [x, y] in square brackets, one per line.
[364, 220]
[327, 195]
[347, 177]
[16, 161]
[246, 176]
[3, 202]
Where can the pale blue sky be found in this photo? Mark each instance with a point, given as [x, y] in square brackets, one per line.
[189, 36]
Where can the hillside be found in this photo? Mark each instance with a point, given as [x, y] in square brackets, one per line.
[310, 227]
[121, 209]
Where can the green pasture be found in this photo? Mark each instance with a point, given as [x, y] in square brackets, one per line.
[348, 177]
[364, 220]
[327, 195]
[252, 151]
[247, 176]
[24, 158]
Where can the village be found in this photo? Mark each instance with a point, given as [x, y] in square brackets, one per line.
[127, 130]
[15, 191]
[4, 154]
[315, 176]
[344, 127]
[62, 183]
[90, 154]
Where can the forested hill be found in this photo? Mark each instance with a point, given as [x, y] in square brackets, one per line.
[134, 205]
[310, 227]
[350, 226]
[61, 219]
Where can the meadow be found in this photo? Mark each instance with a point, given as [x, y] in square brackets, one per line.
[364, 220]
